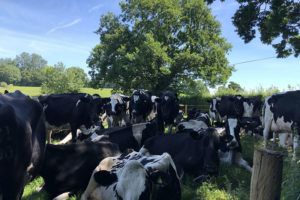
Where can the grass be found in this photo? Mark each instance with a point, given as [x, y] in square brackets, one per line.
[36, 91]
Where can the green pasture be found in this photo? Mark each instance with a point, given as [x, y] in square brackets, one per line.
[36, 91]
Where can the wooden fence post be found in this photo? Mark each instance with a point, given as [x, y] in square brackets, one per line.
[267, 175]
[185, 109]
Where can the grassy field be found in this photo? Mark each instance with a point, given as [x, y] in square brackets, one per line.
[36, 91]
[233, 183]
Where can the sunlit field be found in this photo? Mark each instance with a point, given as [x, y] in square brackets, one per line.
[36, 91]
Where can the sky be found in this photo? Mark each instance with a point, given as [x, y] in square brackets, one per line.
[64, 31]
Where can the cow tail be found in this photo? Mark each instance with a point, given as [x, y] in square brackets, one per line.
[7, 123]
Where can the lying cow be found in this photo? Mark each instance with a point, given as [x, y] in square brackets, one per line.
[22, 143]
[67, 168]
[140, 106]
[134, 176]
[202, 121]
[116, 110]
[75, 110]
[192, 152]
[281, 113]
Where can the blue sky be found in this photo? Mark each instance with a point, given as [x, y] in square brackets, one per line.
[63, 30]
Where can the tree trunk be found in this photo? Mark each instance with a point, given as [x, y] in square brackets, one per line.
[267, 175]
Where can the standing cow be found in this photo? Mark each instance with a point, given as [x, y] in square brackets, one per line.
[76, 110]
[22, 143]
[140, 106]
[116, 110]
[281, 113]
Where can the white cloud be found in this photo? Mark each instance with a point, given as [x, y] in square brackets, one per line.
[96, 7]
[63, 26]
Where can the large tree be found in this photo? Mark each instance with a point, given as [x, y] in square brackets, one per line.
[159, 44]
[9, 74]
[277, 21]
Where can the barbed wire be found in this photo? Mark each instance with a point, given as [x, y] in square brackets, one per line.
[255, 60]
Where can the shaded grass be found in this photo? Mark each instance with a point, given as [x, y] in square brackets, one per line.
[36, 91]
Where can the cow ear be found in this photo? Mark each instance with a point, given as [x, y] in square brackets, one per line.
[105, 178]
[160, 178]
[196, 135]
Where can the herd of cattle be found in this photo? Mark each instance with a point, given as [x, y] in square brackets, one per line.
[132, 159]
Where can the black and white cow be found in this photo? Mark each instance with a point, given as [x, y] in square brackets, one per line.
[201, 121]
[68, 168]
[76, 110]
[134, 176]
[232, 153]
[281, 113]
[116, 110]
[22, 143]
[140, 106]
[169, 108]
[193, 152]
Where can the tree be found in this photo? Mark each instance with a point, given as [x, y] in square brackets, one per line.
[278, 22]
[159, 45]
[57, 79]
[235, 86]
[30, 61]
[9, 74]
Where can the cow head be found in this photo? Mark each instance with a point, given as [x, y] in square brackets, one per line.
[232, 128]
[213, 109]
[150, 177]
[210, 144]
[116, 105]
[169, 105]
[140, 105]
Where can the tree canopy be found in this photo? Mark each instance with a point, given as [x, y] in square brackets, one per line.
[158, 45]
[278, 22]
[9, 74]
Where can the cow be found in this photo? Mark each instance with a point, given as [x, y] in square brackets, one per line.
[134, 176]
[140, 106]
[232, 153]
[74, 110]
[281, 113]
[169, 108]
[22, 143]
[132, 136]
[116, 110]
[201, 121]
[195, 153]
[67, 168]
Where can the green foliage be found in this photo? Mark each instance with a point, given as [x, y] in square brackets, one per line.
[235, 86]
[30, 61]
[61, 80]
[9, 73]
[3, 84]
[158, 45]
[277, 22]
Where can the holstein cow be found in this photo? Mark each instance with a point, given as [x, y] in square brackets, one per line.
[132, 136]
[68, 168]
[281, 113]
[202, 121]
[140, 106]
[76, 110]
[22, 143]
[116, 110]
[134, 176]
[193, 152]
[169, 108]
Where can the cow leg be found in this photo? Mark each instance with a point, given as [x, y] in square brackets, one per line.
[49, 133]
[74, 133]
[241, 162]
